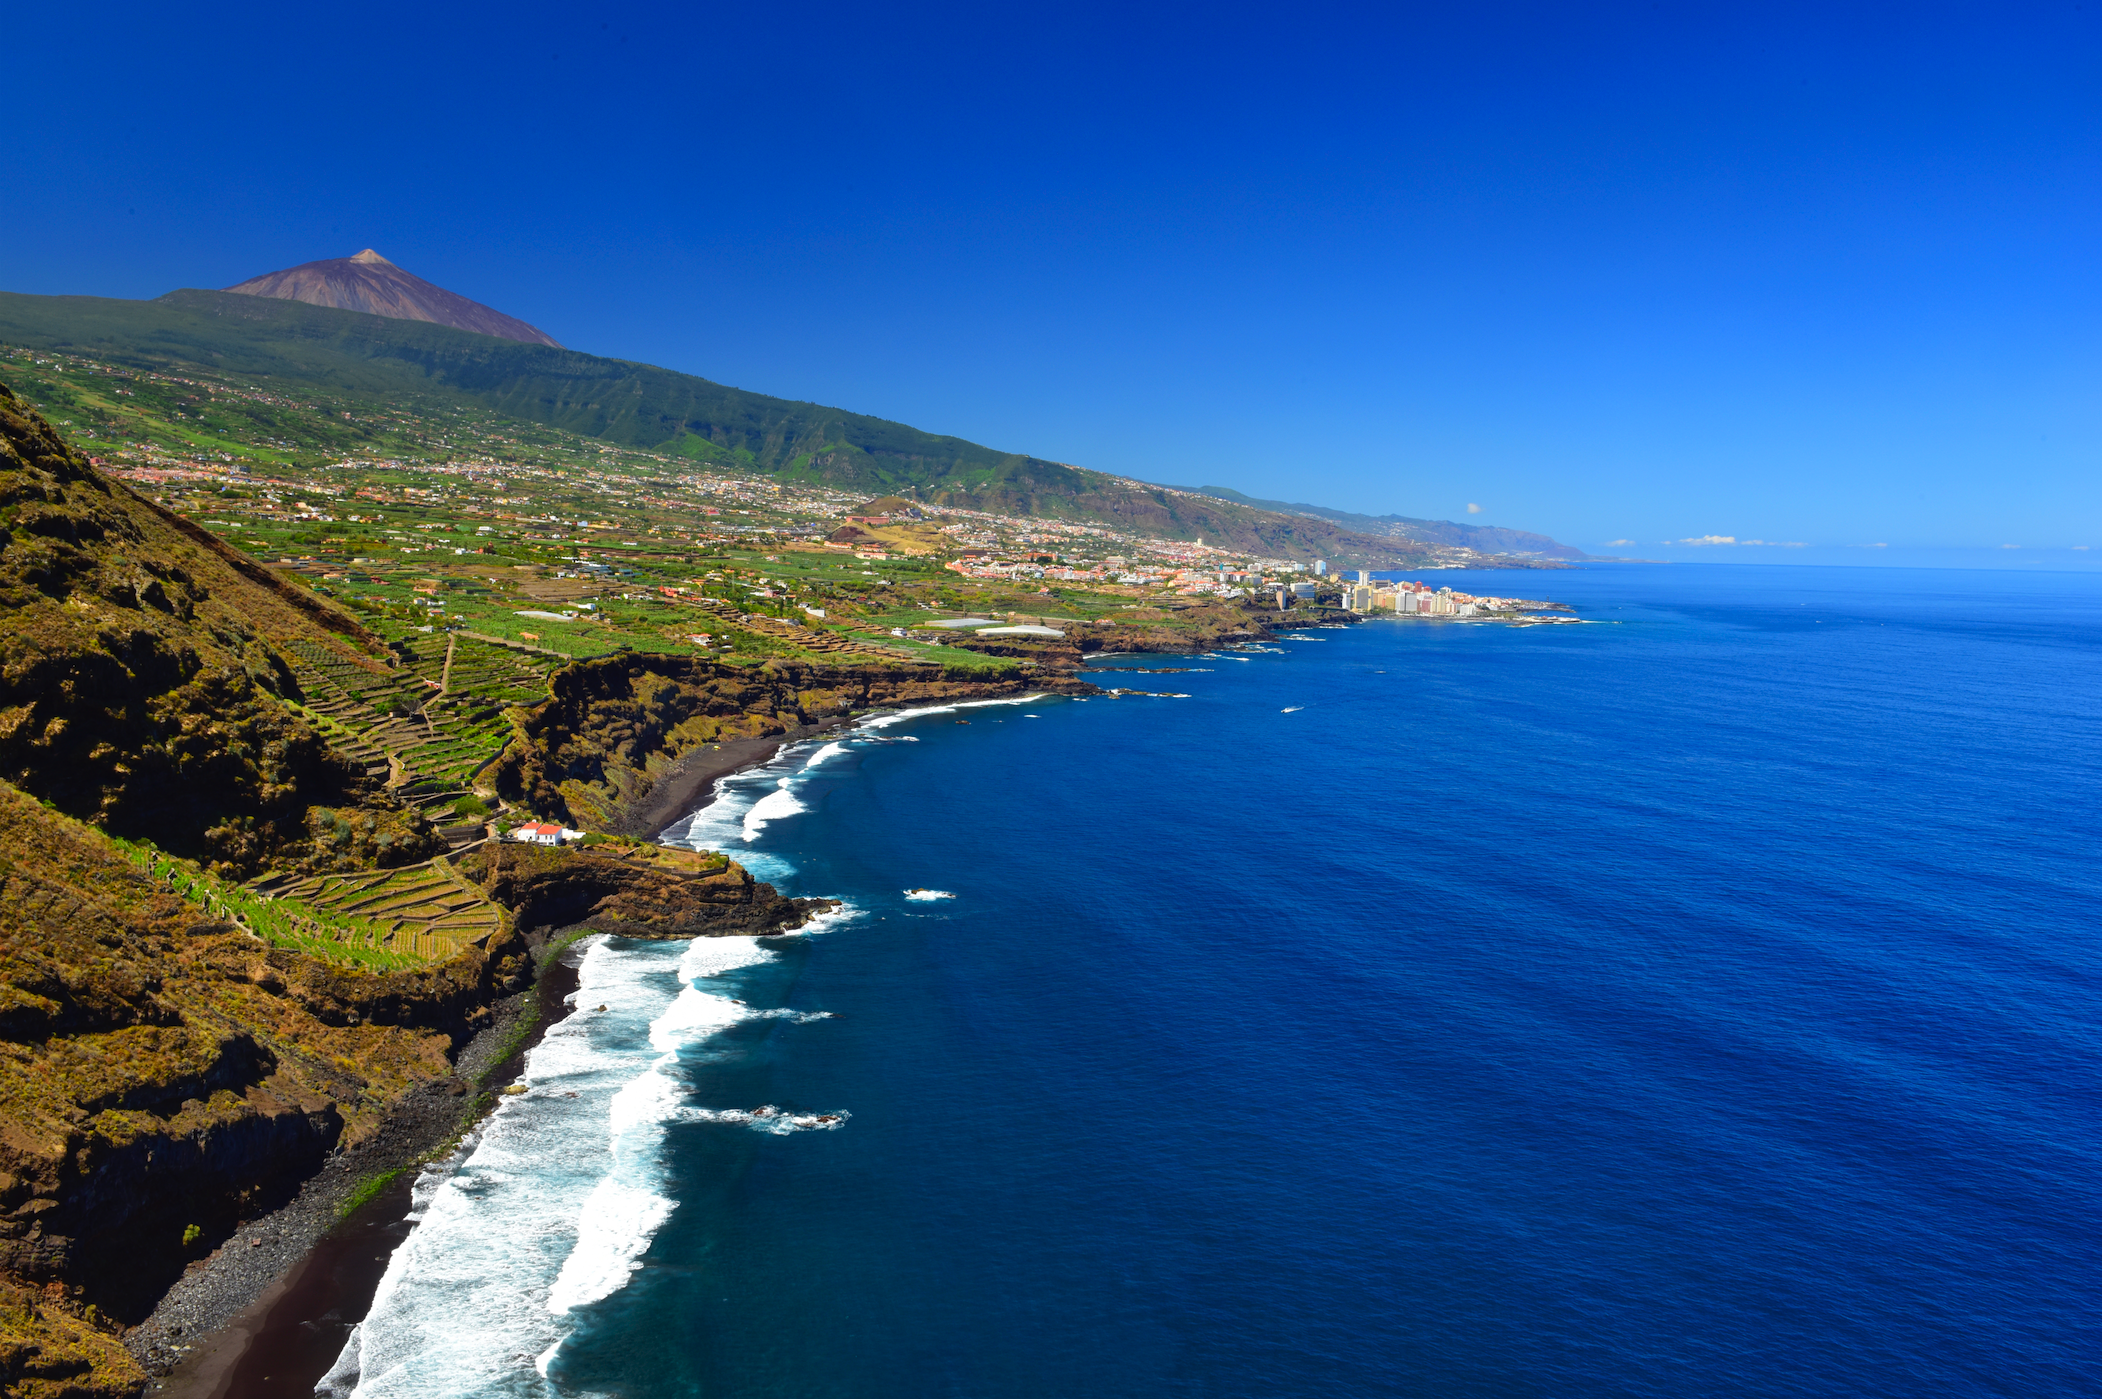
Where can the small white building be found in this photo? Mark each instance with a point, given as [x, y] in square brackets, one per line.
[542, 833]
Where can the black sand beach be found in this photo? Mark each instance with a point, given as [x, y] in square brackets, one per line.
[266, 1316]
[681, 790]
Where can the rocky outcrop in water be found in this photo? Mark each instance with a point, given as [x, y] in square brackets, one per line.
[642, 892]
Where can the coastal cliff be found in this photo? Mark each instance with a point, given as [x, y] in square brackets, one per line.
[164, 1076]
[165, 1073]
[644, 892]
[612, 730]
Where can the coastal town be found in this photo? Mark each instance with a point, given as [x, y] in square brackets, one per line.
[443, 519]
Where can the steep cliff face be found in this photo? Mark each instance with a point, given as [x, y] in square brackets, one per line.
[163, 1076]
[613, 727]
[667, 894]
[141, 687]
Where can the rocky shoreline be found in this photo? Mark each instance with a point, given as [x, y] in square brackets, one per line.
[683, 787]
[267, 1313]
[196, 1341]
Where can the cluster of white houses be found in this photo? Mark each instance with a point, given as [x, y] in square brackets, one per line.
[1419, 599]
[1409, 599]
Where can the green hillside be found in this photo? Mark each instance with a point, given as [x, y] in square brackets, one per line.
[1485, 539]
[641, 406]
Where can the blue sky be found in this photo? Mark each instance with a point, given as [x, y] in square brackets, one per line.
[1813, 275]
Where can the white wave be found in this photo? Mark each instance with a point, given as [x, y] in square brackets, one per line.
[774, 806]
[617, 1224]
[830, 750]
[884, 721]
[772, 1119]
[720, 820]
[927, 895]
[706, 957]
[553, 1203]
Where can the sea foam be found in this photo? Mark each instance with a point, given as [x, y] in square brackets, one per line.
[554, 1202]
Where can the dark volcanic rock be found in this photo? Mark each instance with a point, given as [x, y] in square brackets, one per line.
[592, 755]
[647, 894]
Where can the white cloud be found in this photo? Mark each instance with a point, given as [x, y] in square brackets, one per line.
[2010, 546]
[1616, 544]
[2079, 548]
[1731, 539]
[1473, 509]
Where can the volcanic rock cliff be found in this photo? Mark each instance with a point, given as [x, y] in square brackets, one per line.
[164, 1076]
[613, 728]
[646, 892]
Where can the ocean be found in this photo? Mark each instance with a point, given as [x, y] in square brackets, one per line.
[1702, 1000]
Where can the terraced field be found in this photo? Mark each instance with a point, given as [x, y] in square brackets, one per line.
[426, 912]
[429, 725]
[380, 921]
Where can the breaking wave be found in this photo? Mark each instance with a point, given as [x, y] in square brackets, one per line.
[553, 1203]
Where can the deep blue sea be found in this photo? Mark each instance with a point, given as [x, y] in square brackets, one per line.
[1703, 1000]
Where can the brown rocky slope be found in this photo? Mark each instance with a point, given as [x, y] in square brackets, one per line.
[141, 683]
[164, 1076]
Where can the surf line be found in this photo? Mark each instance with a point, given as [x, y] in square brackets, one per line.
[484, 1288]
[710, 824]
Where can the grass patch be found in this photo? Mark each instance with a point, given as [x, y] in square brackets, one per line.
[278, 922]
[368, 1190]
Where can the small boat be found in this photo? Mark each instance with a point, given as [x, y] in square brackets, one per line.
[1291, 709]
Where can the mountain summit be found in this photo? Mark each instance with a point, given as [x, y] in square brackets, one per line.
[370, 283]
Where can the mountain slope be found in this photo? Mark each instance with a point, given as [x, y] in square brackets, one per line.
[639, 405]
[163, 1077]
[1485, 539]
[141, 682]
[370, 283]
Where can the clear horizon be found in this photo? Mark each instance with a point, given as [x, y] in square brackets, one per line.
[1632, 274]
